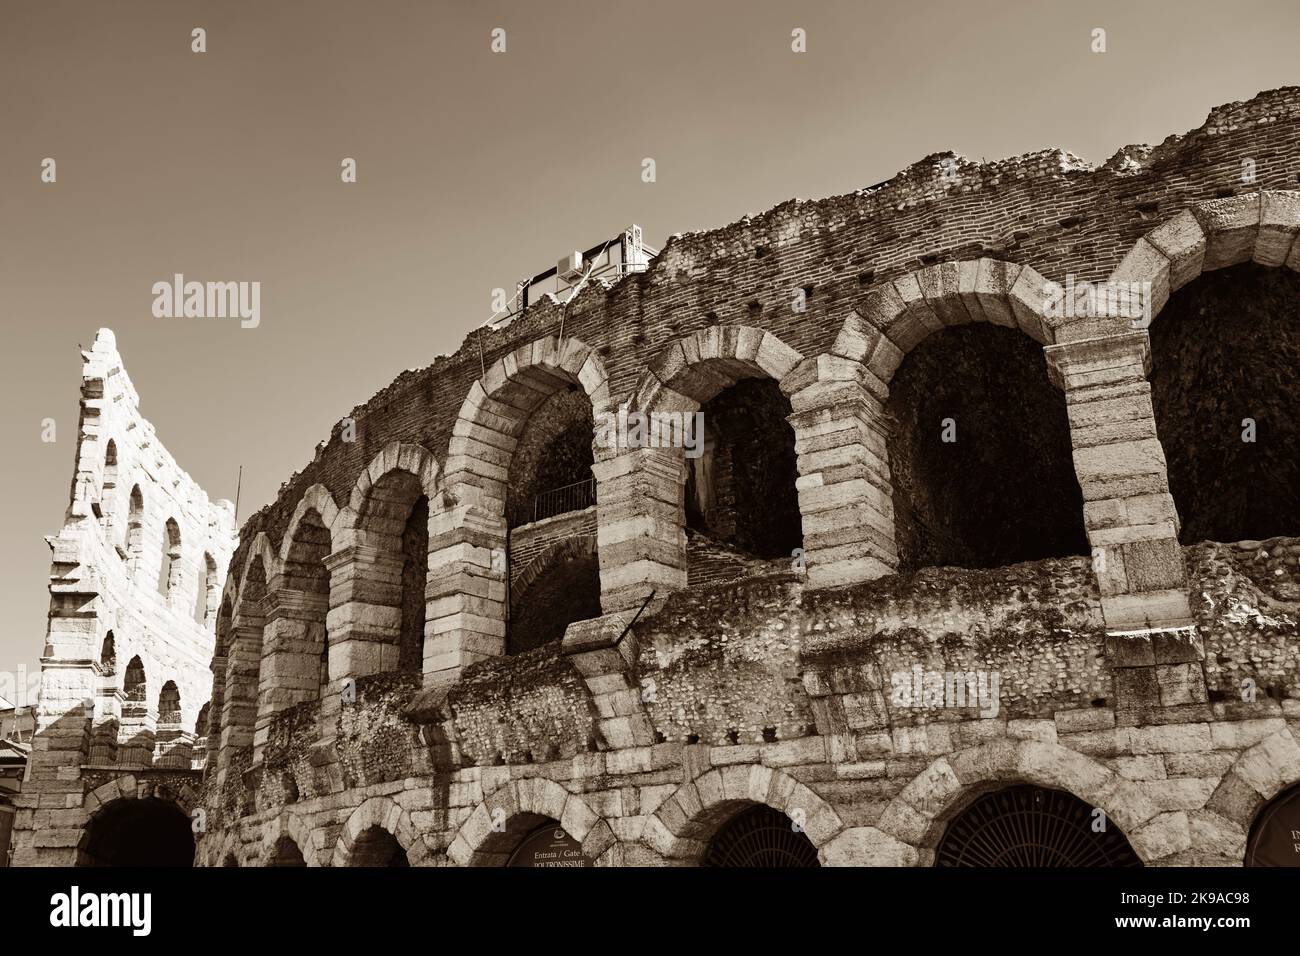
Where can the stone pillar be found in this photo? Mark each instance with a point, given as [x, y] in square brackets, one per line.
[239, 706]
[465, 597]
[292, 640]
[845, 494]
[640, 525]
[1131, 521]
[216, 706]
[364, 621]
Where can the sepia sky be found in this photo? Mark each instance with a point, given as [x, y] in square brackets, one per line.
[474, 170]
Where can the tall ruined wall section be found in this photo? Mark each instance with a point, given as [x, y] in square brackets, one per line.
[1152, 679]
[98, 717]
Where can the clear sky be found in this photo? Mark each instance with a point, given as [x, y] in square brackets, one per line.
[474, 169]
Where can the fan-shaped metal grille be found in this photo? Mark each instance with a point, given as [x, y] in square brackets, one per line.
[760, 837]
[1026, 826]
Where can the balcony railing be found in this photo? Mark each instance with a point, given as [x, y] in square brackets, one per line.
[557, 501]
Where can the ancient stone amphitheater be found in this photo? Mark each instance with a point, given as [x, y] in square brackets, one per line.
[468, 633]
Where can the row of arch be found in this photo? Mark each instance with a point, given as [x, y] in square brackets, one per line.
[988, 805]
[409, 569]
[129, 541]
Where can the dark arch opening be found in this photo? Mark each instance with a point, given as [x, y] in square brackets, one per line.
[568, 591]
[377, 847]
[1275, 832]
[1226, 348]
[286, 853]
[133, 683]
[760, 836]
[741, 489]
[550, 469]
[144, 832]
[980, 454]
[1026, 827]
[396, 513]
[169, 570]
[108, 655]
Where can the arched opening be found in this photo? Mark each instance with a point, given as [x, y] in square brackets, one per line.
[230, 860]
[133, 684]
[208, 591]
[201, 723]
[740, 480]
[1275, 833]
[286, 853]
[566, 588]
[138, 723]
[108, 656]
[106, 724]
[377, 847]
[135, 530]
[395, 517]
[1225, 372]
[169, 705]
[169, 572]
[305, 572]
[1025, 826]
[146, 832]
[980, 454]
[761, 837]
[108, 487]
[550, 470]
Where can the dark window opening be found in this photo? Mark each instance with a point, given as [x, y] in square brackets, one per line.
[740, 490]
[143, 832]
[568, 591]
[377, 847]
[550, 470]
[415, 571]
[1226, 348]
[286, 853]
[980, 454]
[169, 571]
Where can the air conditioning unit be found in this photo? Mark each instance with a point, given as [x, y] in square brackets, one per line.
[570, 267]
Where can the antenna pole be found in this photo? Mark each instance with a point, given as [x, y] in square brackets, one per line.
[239, 482]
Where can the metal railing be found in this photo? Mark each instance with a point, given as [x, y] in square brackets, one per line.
[557, 501]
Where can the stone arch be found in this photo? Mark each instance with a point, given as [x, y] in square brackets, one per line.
[583, 545]
[260, 548]
[387, 815]
[208, 592]
[1258, 775]
[1212, 234]
[134, 543]
[122, 792]
[468, 527]
[941, 509]
[218, 854]
[899, 315]
[640, 491]
[395, 456]
[292, 827]
[316, 498]
[171, 571]
[919, 813]
[522, 805]
[561, 585]
[380, 543]
[681, 828]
